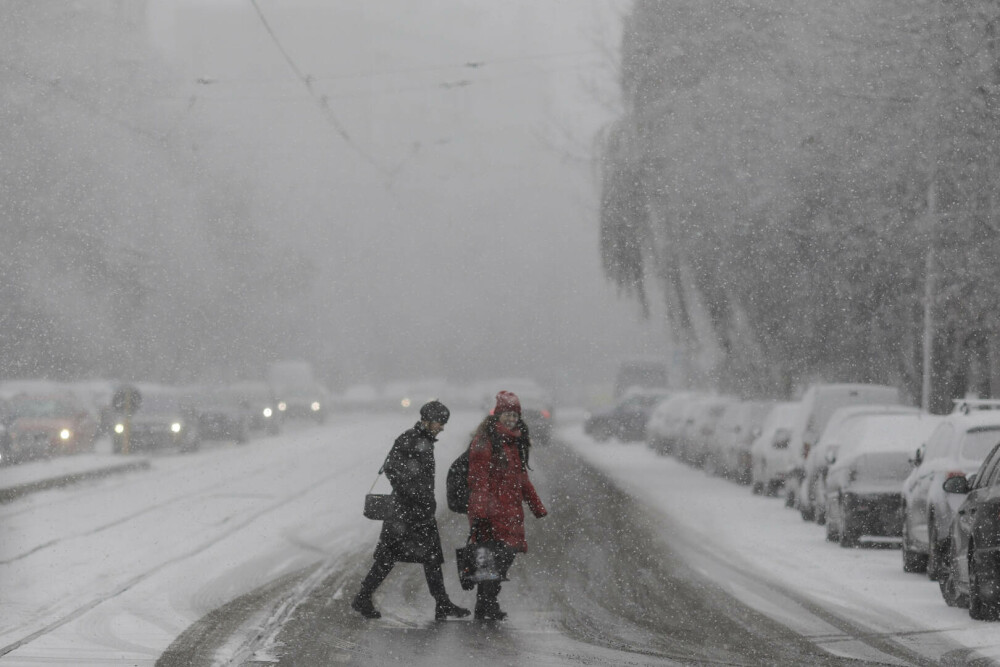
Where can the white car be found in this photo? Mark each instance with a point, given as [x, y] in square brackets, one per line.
[769, 455]
[956, 448]
[864, 493]
[812, 492]
[818, 404]
[729, 452]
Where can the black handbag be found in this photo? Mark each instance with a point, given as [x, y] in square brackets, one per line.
[477, 562]
[377, 505]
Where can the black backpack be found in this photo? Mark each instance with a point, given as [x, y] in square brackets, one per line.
[457, 484]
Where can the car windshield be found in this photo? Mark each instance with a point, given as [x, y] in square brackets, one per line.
[978, 443]
[42, 408]
[160, 404]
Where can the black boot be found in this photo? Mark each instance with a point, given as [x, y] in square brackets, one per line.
[363, 605]
[487, 607]
[444, 609]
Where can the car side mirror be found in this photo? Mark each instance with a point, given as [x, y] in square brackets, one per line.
[831, 457]
[957, 484]
[918, 457]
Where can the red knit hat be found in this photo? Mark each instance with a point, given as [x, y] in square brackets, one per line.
[507, 402]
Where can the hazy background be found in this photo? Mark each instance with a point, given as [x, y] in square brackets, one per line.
[386, 189]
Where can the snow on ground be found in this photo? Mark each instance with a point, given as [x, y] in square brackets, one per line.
[119, 567]
[867, 584]
[112, 571]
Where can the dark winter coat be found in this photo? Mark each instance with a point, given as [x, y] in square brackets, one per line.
[410, 533]
[499, 484]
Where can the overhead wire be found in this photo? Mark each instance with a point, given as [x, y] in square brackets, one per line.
[321, 100]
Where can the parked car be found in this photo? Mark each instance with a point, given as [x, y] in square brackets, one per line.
[699, 428]
[956, 448]
[729, 451]
[627, 419]
[818, 404]
[864, 493]
[812, 494]
[43, 425]
[163, 418]
[972, 576]
[769, 454]
[665, 421]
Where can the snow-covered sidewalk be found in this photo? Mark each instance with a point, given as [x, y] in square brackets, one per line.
[867, 585]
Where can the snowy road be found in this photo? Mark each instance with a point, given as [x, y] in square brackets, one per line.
[248, 554]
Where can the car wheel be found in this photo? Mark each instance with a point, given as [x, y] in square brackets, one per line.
[772, 487]
[948, 584]
[983, 603]
[937, 551]
[757, 488]
[832, 534]
[790, 498]
[913, 561]
[850, 534]
[807, 513]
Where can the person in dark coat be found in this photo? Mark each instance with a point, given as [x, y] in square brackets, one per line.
[410, 533]
[498, 487]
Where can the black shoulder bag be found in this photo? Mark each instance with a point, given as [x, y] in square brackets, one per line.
[377, 504]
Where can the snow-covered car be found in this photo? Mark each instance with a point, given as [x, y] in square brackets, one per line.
[769, 455]
[955, 449]
[164, 418]
[812, 492]
[972, 576]
[699, 428]
[864, 494]
[819, 403]
[665, 421]
[729, 451]
[44, 425]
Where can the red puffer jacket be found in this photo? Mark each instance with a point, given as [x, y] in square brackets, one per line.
[498, 484]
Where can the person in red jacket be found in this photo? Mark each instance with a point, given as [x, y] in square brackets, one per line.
[498, 485]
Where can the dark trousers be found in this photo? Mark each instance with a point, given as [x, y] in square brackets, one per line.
[381, 569]
[487, 591]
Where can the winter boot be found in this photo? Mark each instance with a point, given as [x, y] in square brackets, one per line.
[444, 609]
[487, 607]
[363, 605]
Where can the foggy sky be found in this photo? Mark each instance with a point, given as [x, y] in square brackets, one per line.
[450, 209]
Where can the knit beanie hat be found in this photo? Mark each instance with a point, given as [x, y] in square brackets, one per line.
[507, 402]
[435, 411]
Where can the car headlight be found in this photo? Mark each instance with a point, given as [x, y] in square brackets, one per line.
[65, 434]
[268, 412]
[282, 406]
[315, 406]
[405, 402]
[176, 427]
[119, 428]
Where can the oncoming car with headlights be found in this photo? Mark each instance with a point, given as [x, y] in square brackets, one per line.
[162, 420]
[46, 425]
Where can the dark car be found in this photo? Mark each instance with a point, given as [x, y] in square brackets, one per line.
[256, 398]
[626, 420]
[161, 419]
[223, 415]
[972, 577]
